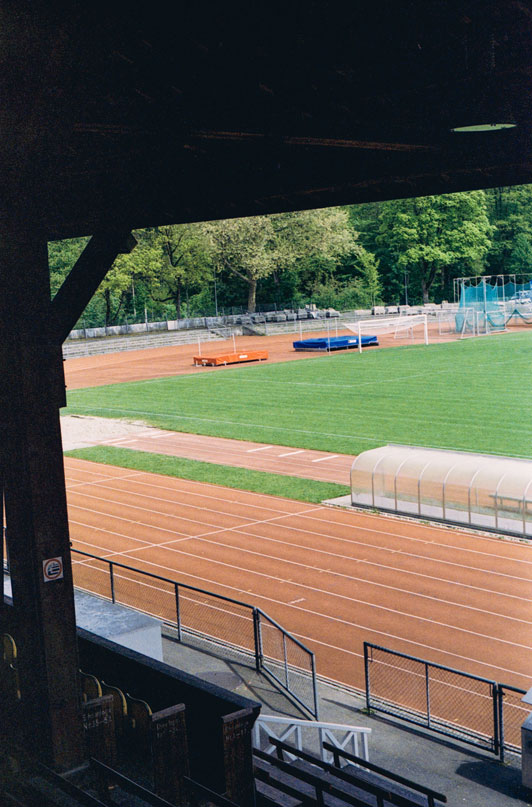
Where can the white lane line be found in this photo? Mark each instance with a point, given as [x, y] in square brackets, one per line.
[71, 485]
[363, 580]
[241, 528]
[350, 522]
[355, 528]
[100, 530]
[307, 638]
[261, 448]
[321, 459]
[157, 528]
[181, 487]
[379, 565]
[291, 453]
[239, 517]
[430, 621]
[305, 567]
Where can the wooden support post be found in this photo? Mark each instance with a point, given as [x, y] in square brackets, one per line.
[238, 757]
[169, 748]
[31, 463]
[85, 277]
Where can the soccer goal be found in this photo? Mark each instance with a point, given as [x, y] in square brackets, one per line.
[475, 322]
[407, 327]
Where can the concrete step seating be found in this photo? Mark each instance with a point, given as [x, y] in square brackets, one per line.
[308, 781]
[116, 344]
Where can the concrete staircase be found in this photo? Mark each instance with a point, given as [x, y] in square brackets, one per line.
[115, 344]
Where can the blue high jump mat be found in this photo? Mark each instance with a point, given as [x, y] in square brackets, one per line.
[334, 343]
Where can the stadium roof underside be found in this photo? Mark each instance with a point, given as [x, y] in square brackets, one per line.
[474, 490]
[120, 117]
[229, 110]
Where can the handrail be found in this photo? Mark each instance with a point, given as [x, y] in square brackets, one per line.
[267, 665]
[164, 579]
[62, 783]
[212, 796]
[395, 777]
[382, 794]
[129, 785]
[294, 728]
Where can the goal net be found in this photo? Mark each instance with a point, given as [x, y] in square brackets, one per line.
[411, 327]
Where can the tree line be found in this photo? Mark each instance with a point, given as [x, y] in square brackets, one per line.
[405, 250]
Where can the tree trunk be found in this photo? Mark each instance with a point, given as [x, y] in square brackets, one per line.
[107, 298]
[425, 291]
[252, 295]
[177, 302]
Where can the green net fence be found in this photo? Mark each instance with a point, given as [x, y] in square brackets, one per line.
[490, 304]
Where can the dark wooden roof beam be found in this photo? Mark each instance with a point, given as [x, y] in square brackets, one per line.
[85, 277]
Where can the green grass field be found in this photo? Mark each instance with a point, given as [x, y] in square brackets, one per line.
[473, 394]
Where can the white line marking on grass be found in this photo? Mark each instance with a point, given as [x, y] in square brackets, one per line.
[262, 448]
[321, 459]
[238, 423]
[291, 453]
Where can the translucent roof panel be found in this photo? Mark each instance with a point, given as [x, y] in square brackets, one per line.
[481, 490]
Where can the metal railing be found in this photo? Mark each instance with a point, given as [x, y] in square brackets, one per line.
[470, 708]
[310, 736]
[198, 615]
[431, 795]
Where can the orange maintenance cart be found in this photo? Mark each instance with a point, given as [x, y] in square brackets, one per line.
[230, 358]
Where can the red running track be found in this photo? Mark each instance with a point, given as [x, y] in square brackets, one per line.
[306, 463]
[333, 578]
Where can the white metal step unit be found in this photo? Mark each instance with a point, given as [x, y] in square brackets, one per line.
[309, 735]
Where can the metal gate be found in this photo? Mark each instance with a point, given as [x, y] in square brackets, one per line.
[472, 709]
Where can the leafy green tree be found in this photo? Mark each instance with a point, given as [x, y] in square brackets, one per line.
[520, 261]
[258, 247]
[510, 213]
[177, 263]
[435, 238]
[62, 255]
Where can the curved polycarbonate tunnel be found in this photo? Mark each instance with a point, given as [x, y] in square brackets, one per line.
[478, 490]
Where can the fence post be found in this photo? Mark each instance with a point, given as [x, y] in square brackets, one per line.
[177, 612]
[112, 581]
[366, 671]
[258, 639]
[285, 662]
[498, 720]
[427, 692]
[314, 687]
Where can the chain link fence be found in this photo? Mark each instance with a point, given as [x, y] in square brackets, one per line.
[197, 616]
[470, 708]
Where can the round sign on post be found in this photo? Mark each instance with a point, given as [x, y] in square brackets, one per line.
[52, 569]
